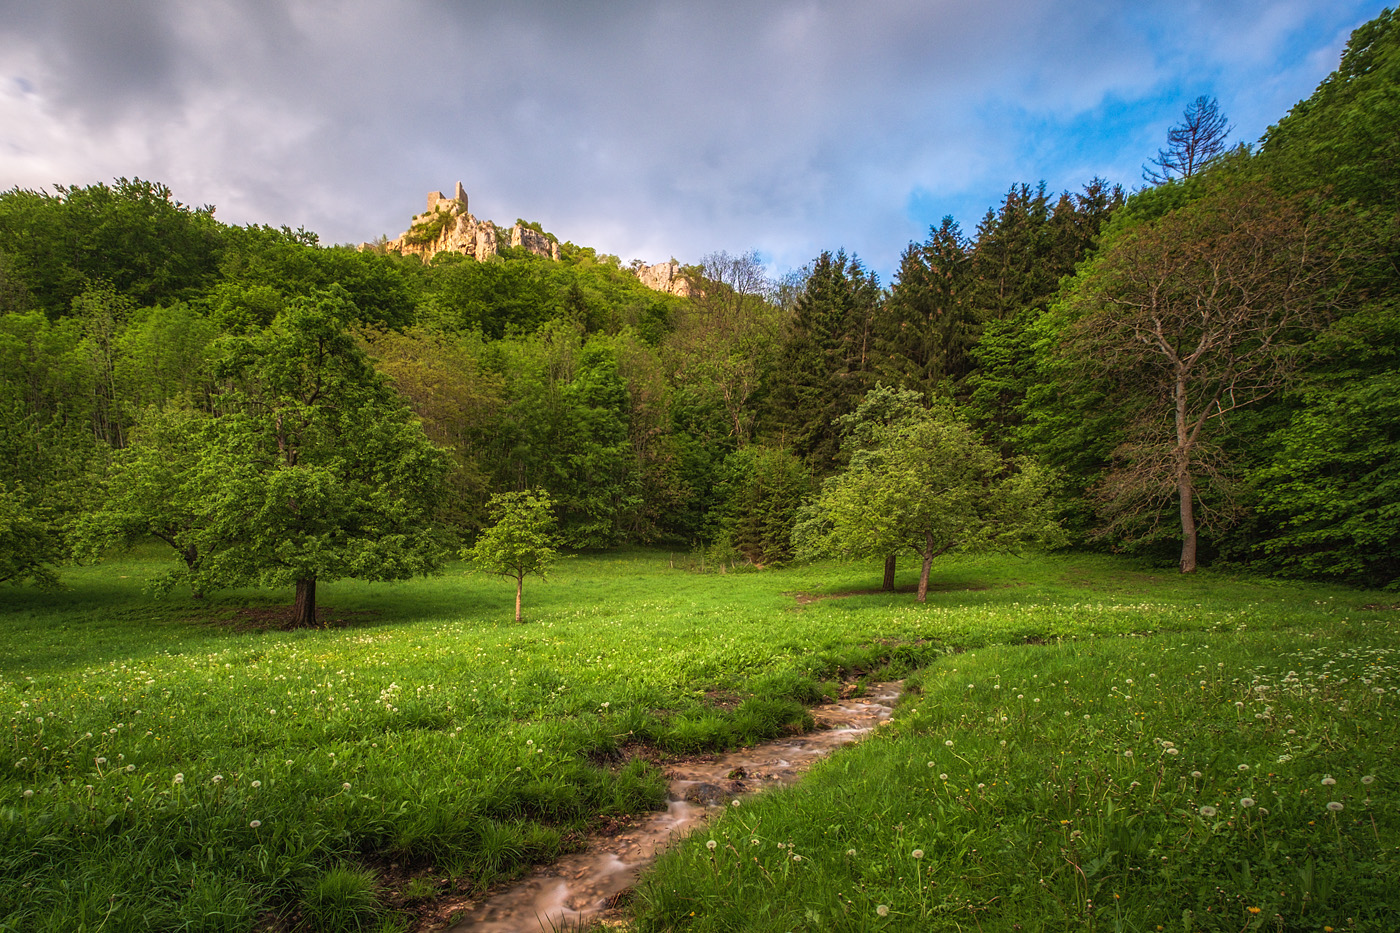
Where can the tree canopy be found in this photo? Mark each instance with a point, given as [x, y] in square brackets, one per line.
[924, 482]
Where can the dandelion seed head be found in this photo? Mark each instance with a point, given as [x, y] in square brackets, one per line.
[254, 824]
[1196, 775]
[1328, 781]
[1244, 767]
[1335, 807]
[711, 845]
[256, 785]
[918, 853]
[1207, 812]
[1246, 802]
[882, 910]
[345, 786]
[1368, 779]
[179, 779]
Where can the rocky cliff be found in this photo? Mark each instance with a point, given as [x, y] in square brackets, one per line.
[446, 226]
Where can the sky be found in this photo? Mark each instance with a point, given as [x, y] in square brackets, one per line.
[649, 130]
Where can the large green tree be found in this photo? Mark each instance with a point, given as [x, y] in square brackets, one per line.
[825, 361]
[926, 483]
[316, 469]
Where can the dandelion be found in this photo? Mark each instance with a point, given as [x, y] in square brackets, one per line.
[943, 777]
[797, 858]
[179, 779]
[1368, 779]
[918, 853]
[1328, 781]
[1207, 812]
[1244, 767]
[102, 761]
[28, 794]
[882, 910]
[1254, 910]
[948, 742]
[256, 785]
[850, 852]
[254, 824]
[1128, 753]
[931, 764]
[218, 779]
[345, 786]
[734, 802]
[711, 845]
[1335, 807]
[1196, 775]
[1246, 802]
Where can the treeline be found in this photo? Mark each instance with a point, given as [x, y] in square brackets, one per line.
[1208, 365]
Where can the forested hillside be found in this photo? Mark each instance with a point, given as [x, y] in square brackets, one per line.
[1209, 366]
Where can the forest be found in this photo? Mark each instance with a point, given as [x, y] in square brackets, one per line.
[1202, 370]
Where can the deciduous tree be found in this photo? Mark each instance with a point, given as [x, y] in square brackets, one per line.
[926, 483]
[317, 470]
[1192, 317]
[521, 541]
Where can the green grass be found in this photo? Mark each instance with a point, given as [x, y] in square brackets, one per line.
[164, 771]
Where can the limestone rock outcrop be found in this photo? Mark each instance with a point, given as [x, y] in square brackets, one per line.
[665, 277]
[446, 226]
[534, 241]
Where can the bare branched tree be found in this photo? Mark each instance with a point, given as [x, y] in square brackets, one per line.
[1198, 315]
[1192, 144]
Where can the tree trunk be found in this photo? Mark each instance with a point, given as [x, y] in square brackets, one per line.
[191, 555]
[1186, 491]
[519, 588]
[304, 610]
[888, 585]
[1185, 488]
[928, 562]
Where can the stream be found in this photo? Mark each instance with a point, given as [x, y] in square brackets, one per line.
[586, 886]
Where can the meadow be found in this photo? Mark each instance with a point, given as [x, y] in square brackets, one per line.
[1084, 744]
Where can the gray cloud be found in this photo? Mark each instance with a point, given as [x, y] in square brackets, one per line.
[645, 129]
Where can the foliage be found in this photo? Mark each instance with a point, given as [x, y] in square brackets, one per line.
[312, 469]
[823, 361]
[521, 541]
[1331, 490]
[1343, 137]
[760, 490]
[132, 236]
[924, 482]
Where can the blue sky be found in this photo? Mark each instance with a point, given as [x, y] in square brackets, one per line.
[645, 129]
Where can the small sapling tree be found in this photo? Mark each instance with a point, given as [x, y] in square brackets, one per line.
[521, 541]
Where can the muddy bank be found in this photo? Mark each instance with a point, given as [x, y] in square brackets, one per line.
[587, 886]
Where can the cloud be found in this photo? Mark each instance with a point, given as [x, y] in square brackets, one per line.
[645, 129]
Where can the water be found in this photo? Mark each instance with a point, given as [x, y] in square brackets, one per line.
[586, 886]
